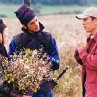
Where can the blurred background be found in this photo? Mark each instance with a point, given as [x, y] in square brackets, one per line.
[58, 17]
[46, 7]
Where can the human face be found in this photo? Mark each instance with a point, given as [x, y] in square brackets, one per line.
[89, 25]
[5, 36]
[33, 25]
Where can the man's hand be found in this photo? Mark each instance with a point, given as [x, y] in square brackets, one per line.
[26, 96]
[15, 95]
[80, 46]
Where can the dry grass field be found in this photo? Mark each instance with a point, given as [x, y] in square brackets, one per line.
[66, 29]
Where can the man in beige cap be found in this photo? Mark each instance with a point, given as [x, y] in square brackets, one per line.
[86, 55]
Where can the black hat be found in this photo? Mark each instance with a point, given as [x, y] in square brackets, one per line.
[25, 14]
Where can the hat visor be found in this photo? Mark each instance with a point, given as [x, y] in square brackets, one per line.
[81, 16]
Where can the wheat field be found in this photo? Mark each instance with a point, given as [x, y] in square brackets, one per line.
[66, 29]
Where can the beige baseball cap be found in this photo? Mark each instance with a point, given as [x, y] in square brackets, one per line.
[91, 11]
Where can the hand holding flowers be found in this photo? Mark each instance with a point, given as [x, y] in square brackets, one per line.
[25, 71]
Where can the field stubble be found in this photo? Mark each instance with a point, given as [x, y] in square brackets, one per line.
[66, 29]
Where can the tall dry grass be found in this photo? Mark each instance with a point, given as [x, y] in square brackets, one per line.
[66, 29]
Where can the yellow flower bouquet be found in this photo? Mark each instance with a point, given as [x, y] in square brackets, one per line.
[25, 71]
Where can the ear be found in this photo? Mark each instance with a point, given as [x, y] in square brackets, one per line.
[24, 26]
[95, 21]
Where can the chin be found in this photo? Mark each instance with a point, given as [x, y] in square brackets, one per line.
[36, 30]
[88, 31]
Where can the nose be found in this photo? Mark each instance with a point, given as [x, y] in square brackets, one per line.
[83, 22]
[36, 23]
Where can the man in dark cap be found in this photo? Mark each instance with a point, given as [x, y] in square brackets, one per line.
[34, 37]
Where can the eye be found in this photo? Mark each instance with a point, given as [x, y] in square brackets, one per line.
[32, 23]
[85, 19]
[36, 20]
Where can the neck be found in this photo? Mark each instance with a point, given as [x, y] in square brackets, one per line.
[94, 32]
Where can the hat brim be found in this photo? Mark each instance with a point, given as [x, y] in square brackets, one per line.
[81, 16]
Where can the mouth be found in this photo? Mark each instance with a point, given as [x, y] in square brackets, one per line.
[84, 27]
[37, 28]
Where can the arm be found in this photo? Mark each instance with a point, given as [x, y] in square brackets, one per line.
[11, 48]
[76, 56]
[89, 60]
[53, 54]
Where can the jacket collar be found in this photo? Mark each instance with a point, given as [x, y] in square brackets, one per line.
[95, 37]
[41, 29]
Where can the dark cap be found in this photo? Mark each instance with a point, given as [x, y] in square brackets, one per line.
[2, 26]
[25, 14]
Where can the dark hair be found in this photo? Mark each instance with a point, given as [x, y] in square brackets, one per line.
[24, 29]
[2, 26]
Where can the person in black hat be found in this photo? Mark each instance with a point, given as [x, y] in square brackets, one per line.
[34, 37]
[3, 38]
[3, 53]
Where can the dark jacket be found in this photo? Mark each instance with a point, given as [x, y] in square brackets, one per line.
[3, 53]
[37, 40]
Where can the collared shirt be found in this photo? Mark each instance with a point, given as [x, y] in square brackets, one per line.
[89, 60]
[89, 56]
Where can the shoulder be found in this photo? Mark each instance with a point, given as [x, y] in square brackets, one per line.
[18, 36]
[45, 35]
[16, 39]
